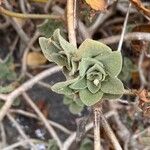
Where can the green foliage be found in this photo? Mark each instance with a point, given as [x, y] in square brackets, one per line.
[57, 49]
[86, 144]
[91, 70]
[7, 89]
[127, 69]
[52, 145]
[75, 105]
[49, 26]
[6, 70]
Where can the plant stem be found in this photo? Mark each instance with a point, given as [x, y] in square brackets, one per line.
[27, 16]
[71, 21]
[124, 29]
[39, 1]
[110, 133]
[96, 111]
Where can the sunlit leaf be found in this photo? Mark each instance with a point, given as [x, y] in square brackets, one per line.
[98, 5]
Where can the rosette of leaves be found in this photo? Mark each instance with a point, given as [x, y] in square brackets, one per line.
[92, 69]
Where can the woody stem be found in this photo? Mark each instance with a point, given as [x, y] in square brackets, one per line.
[96, 111]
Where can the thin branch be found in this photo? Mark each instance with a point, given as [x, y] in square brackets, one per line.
[97, 140]
[4, 24]
[39, 1]
[146, 130]
[27, 16]
[31, 115]
[110, 133]
[43, 84]
[16, 25]
[71, 20]
[24, 37]
[72, 137]
[43, 119]
[3, 135]
[141, 72]
[24, 59]
[88, 127]
[124, 29]
[22, 143]
[128, 36]
[22, 6]
[24, 87]
[102, 17]
[18, 127]
[81, 26]
[48, 3]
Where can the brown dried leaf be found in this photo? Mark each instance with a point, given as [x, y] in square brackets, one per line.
[35, 58]
[144, 102]
[140, 7]
[98, 5]
[143, 96]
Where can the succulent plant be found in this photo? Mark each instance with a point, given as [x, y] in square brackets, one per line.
[91, 70]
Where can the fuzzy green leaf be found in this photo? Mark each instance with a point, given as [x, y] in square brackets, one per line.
[96, 68]
[127, 69]
[112, 63]
[59, 59]
[48, 47]
[111, 96]
[112, 86]
[67, 100]
[89, 98]
[74, 67]
[79, 102]
[6, 69]
[66, 46]
[49, 26]
[75, 108]
[63, 87]
[79, 84]
[91, 48]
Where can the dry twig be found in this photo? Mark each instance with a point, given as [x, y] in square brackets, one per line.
[24, 87]
[27, 16]
[124, 29]
[127, 37]
[71, 20]
[18, 127]
[43, 119]
[110, 133]
[31, 115]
